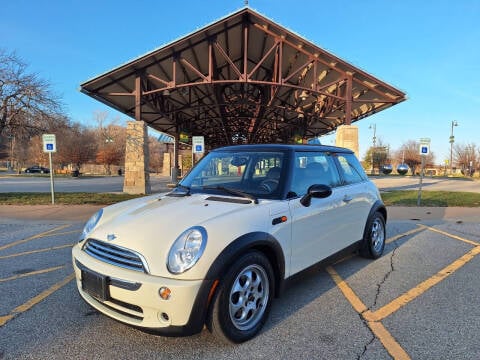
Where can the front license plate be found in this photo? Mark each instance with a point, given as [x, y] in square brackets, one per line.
[95, 284]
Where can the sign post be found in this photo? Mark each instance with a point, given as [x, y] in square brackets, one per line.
[198, 146]
[50, 146]
[424, 150]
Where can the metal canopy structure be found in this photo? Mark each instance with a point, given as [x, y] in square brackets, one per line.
[243, 79]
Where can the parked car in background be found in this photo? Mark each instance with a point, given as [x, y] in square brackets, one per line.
[228, 239]
[37, 169]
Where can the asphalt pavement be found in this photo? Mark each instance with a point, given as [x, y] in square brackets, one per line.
[418, 301]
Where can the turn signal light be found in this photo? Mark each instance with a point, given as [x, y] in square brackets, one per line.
[164, 293]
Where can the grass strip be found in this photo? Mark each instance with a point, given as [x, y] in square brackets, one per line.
[77, 198]
[431, 198]
[391, 198]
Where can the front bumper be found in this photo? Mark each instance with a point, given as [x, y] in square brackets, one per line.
[132, 297]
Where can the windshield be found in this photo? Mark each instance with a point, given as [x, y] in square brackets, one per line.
[254, 173]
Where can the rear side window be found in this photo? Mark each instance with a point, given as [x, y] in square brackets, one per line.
[352, 171]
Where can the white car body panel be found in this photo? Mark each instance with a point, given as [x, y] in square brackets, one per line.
[162, 221]
[149, 226]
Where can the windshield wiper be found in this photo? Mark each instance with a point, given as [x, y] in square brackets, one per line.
[175, 193]
[232, 192]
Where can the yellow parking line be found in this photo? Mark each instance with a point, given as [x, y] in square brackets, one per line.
[380, 332]
[451, 235]
[36, 251]
[67, 232]
[388, 341]
[46, 233]
[31, 273]
[32, 302]
[412, 294]
[399, 236]
[389, 240]
[357, 304]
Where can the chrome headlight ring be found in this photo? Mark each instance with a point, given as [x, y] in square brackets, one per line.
[187, 250]
[90, 225]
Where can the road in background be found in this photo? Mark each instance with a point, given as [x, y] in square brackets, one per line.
[159, 184]
[100, 184]
[385, 183]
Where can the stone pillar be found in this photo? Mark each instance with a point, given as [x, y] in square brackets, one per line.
[347, 137]
[167, 164]
[137, 176]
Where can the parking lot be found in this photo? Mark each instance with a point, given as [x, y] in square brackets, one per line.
[419, 301]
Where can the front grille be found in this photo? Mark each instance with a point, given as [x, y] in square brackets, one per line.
[114, 255]
[130, 314]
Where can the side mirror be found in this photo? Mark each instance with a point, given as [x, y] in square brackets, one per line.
[315, 191]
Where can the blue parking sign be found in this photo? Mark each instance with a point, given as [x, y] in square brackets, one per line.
[49, 143]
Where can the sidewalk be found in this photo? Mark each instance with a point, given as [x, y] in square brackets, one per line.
[48, 212]
[83, 212]
[463, 214]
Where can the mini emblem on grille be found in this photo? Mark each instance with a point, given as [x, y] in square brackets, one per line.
[111, 237]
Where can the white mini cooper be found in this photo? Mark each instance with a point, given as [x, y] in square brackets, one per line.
[220, 246]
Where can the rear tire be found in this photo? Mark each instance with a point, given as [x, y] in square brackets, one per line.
[242, 301]
[374, 237]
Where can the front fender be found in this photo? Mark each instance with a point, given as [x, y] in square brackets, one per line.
[261, 241]
[377, 206]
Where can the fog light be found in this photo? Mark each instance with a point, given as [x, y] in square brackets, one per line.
[164, 293]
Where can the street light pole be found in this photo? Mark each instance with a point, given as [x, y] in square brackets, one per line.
[452, 140]
[374, 141]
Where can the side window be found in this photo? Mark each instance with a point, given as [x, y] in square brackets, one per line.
[313, 168]
[352, 171]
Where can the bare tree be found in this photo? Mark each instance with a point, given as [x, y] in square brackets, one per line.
[35, 152]
[77, 145]
[111, 140]
[409, 153]
[27, 104]
[156, 150]
[466, 157]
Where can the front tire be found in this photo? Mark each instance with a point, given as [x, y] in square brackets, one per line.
[243, 299]
[374, 237]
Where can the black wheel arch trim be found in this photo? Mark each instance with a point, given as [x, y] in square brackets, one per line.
[378, 206]
[260, 241]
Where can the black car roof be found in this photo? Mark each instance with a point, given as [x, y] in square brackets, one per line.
[284, 147]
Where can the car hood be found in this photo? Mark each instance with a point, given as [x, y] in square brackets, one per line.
[150, 225]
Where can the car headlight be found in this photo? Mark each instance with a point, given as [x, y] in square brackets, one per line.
[187, 249]
[90, 225]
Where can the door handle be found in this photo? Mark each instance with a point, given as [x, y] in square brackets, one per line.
[347, 198]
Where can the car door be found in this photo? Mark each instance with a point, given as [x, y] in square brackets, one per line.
[316, 230]
[356, 193]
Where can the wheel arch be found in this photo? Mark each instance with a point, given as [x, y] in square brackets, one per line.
[259, 241]
[378, 206]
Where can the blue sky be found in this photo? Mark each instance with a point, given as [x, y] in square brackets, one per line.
[429, 49]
